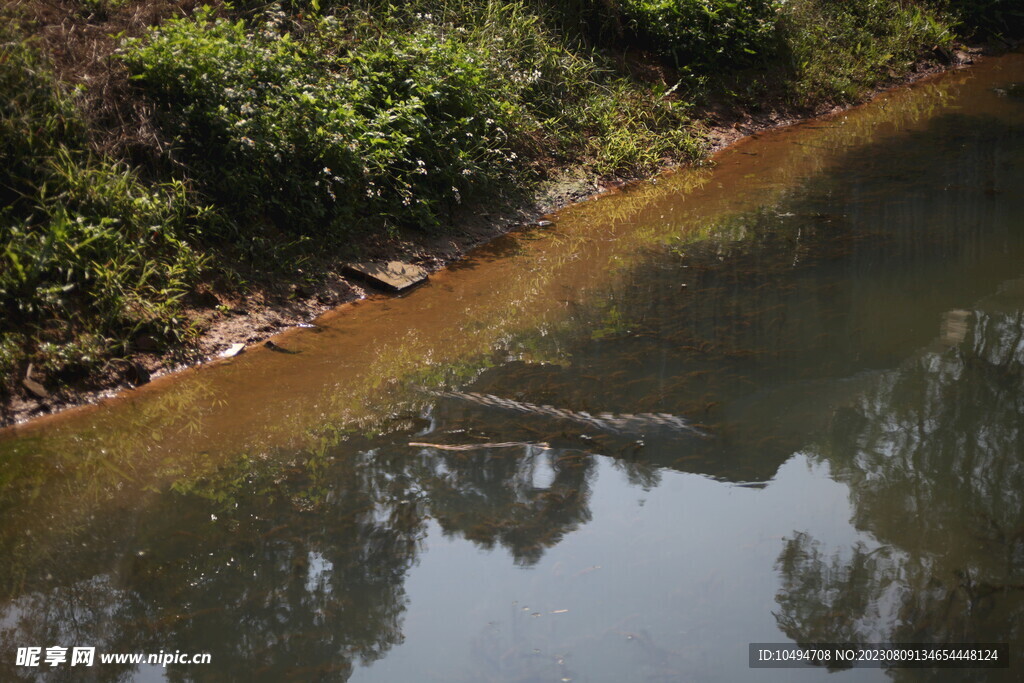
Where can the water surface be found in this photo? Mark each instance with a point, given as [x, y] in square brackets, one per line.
[777, 400]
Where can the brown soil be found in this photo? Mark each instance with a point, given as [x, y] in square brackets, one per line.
[233, 318]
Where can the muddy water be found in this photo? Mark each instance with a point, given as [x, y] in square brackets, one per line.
[774, 400]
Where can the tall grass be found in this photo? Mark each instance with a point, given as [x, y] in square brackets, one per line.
[89, 254]
[840, 51]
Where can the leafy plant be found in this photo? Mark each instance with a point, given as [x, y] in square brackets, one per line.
[380, 119]
[707, 33]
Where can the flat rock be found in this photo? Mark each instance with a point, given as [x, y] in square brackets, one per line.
[389, 275]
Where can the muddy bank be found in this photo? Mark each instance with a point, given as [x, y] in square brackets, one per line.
[229, 318]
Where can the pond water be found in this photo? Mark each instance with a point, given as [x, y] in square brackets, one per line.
[774, 400]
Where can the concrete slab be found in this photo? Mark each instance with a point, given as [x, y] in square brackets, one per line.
[389, 275]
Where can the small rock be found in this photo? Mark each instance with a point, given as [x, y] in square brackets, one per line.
[961, 58]
[544, 224]
[35, 388]
[146, 342]
[232, 351]
[333, 292]
[280, 349]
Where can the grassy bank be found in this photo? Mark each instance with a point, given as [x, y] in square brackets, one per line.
[160, 158]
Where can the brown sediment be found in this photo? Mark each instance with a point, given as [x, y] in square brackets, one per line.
[229, 318]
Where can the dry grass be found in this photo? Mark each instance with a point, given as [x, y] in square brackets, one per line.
[79, 38]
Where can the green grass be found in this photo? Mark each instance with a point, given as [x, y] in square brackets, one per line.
[89, 254]
[707, 34]
[840, 51]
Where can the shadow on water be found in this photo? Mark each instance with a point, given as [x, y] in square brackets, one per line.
[862, 305]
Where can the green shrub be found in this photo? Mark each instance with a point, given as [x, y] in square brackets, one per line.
[340, 125]
[982, 18]
[707, 33]
[391, 119]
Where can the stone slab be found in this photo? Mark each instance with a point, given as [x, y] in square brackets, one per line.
[390, 275]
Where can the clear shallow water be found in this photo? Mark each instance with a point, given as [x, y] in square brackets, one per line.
[837, 308]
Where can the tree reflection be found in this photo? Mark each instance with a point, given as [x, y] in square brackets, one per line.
[932, 455]
[833, 598]
[297, 574]
[493, 496]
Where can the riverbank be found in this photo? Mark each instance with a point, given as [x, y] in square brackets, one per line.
[185, 308]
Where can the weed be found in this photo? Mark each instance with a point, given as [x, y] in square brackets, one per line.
[89, 254]
[839, 51]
